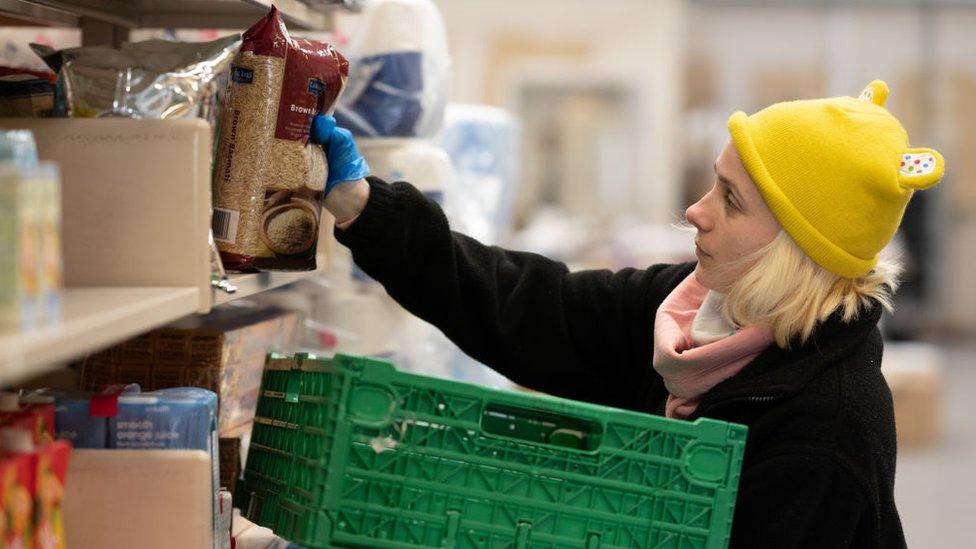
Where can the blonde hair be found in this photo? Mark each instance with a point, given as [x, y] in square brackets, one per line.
[788, 291]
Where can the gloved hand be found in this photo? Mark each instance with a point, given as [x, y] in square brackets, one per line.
[345, 162]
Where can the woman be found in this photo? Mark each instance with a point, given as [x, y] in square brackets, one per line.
[774, 327]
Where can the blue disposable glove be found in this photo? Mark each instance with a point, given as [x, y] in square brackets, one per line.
[345, 162]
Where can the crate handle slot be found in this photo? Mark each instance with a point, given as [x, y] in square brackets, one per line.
[542, 428]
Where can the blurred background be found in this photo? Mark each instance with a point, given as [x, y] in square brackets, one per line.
[582, 129]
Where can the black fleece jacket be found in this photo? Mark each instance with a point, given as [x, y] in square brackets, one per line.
[819, 466]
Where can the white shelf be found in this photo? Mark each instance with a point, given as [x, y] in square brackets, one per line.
[253, 283]
[93, 318]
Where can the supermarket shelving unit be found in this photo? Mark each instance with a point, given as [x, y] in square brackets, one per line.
[136, 193]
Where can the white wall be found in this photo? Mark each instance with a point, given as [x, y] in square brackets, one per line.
[633, 42]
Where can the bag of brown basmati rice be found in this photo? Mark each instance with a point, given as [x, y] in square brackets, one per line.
[268, 179]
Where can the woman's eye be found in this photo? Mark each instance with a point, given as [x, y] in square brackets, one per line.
[728, 201]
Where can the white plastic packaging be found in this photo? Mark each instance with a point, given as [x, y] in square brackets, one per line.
[483, 144]
[399, 71]
[419, 162]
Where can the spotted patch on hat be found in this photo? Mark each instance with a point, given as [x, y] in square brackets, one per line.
[916, 164]
[920, 168]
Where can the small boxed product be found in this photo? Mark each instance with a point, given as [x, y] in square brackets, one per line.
[223, 351]
[30, 248]
[16, 500]
[26, 440]
[50, 475]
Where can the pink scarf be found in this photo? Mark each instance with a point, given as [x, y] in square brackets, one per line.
[688, 371]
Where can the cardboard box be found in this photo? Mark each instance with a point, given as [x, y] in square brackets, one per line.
[128, 498]
[223, 351]
[914, 374]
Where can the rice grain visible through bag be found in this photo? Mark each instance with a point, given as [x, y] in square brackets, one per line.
[263, 159]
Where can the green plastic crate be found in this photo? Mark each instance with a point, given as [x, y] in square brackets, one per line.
[349, 452]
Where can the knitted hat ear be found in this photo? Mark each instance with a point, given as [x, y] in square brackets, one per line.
[920, 168]
[876, 92]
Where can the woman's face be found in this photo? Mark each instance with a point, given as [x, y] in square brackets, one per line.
[733, 221]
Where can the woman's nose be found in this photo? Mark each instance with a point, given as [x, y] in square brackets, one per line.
[695, 215]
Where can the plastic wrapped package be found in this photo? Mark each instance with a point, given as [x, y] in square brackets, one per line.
[268, 178]
[149, 79]
[420, 162]
[399, 71]
[483, 144]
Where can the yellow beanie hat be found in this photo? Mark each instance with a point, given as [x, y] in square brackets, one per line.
[837, 173]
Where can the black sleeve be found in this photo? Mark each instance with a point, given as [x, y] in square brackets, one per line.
[801, 500]
[584, 335]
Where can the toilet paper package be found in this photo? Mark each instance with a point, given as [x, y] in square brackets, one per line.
[399, 71]
[483, 142]
[425, 165]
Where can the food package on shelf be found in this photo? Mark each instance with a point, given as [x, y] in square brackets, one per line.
[268, 178]
[30, 226]
[399, 71]
[33, 468]
[222, 351]
[16, 500]
[149, 79]
[50, 478]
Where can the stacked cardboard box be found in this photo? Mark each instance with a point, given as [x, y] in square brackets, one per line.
[223, 352]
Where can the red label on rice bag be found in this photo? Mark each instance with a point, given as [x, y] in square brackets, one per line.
[314, 76]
